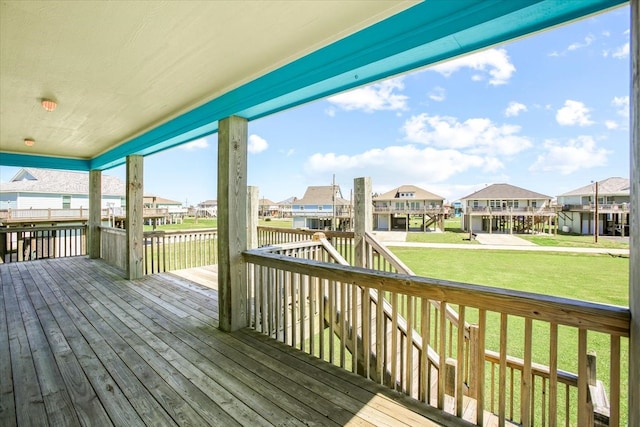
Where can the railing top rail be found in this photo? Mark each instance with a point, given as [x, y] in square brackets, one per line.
[580, 314]
[328, 233]
[179, 232]
[44, 228]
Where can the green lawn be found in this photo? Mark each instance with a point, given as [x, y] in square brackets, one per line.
[187, 224]
[575, 241]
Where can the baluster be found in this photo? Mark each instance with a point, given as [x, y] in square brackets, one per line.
[553, 374]
[394, 340]
[443, 357]
[460, 362]
[503, 370]
[526, 379]
[409, 347]
[614, 378]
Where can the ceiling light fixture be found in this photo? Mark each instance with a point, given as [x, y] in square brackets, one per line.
[49, 104]
[29, 142]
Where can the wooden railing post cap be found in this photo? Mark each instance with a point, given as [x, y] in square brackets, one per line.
[318, 236]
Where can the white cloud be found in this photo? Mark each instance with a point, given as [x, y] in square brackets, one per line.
[621, 52]
[195, 145]
[476, 135]
[438, 94]
[514, 109]
[376, 97]
[257, 144]
[579, 153]
[622, 102]
[611, 124]
[495, 62]
[573, 113]
[579, 45]
[407, 163]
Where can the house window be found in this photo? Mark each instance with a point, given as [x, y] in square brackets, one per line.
[515, 204]
[66, 202]
[475, 204]
[534, 204]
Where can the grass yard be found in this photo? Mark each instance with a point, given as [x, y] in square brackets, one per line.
[598, 278]
[576, 241]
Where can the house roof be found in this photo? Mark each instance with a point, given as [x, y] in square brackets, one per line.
[614, 186]
[141, 77]
[322, 195]
[208, 203]
[420, 194]
[288, 201]
[34, 180]
[160, 200]
[504, 192]
[266, 202]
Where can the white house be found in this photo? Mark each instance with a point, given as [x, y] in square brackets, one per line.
[506, 208]
[393, 209]
[578, 209]
[33, 188]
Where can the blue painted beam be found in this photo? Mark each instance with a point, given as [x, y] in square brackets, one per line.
[31, 161]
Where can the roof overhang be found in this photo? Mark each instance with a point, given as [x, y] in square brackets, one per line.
[142, 77]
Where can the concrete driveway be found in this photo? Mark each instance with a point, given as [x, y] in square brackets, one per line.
[502, 240]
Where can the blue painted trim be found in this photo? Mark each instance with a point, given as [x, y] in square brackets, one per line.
[31, 161]
[424, 34]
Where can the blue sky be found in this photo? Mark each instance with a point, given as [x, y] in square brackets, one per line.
[549, 113]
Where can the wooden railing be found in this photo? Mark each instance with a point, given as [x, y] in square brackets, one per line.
[174, 250]
[289, 295]
[163, 250]
[341, 240]
[29, 243]
[113, 244]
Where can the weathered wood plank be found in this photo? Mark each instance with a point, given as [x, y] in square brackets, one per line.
[7, 398]
[56, 398]
[135, 221]
[30, 408]
[227, 365]
[634, 250]
[232, 221]
[95, 213]
[101, 388]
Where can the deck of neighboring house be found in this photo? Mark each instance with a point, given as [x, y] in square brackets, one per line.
[79, 344]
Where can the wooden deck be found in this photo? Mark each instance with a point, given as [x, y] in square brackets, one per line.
[81, 345]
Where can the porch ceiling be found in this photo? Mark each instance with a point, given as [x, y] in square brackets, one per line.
[140, 77]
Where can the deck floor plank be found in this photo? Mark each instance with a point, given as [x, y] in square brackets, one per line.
[190, 405]
[7, 398]
[30, 408]
[79, 336]
[150, 411]
[216, 364]
[56, 398]
[193, 382]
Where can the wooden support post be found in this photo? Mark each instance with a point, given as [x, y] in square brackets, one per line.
[634, 228]
[252, 217]
[135, 219]
[232, 222]
[362, 219]
[95, 213]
